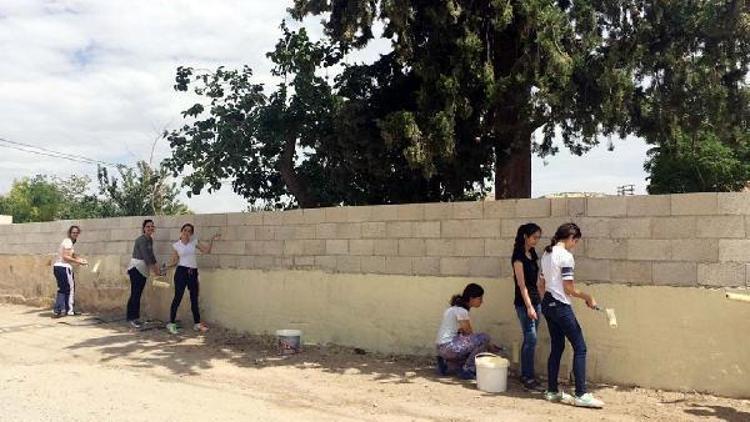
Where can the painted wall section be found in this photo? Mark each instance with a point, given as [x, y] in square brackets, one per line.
[379, 277]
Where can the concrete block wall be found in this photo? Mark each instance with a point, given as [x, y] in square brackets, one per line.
[676, 240]
[396, 266]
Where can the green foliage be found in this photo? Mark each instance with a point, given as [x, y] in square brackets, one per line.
[309, 143]
[456, 101]
[32, 199]
[488, 73]
[142, 190]
[701, 163]
[78, 202]
[139, 191]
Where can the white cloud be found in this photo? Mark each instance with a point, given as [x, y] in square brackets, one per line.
[95, 78]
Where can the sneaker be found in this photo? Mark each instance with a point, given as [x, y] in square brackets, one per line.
[136, 324]
[442, 367]
[58, 315]
[588, 400]
[172, 328]
[73, 313]
[558, 397]
[532, 385]
[200, 327]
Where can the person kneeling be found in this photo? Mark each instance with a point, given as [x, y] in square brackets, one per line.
[456, 342]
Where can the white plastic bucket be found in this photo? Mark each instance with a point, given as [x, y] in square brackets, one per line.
[492, 372]
[289, 341]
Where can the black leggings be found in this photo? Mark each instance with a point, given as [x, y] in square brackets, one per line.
[137, 284]
[185, 277]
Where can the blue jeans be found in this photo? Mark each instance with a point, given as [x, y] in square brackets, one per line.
[562, 324]
[529, 328]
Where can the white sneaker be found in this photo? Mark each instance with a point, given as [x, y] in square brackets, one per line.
[588, 400]
[172, 328]
[200, 327]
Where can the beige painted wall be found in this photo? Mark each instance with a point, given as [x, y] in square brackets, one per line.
[379, 277]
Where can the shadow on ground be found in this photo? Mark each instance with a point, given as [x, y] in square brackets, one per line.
[188, 353]
[723, 413]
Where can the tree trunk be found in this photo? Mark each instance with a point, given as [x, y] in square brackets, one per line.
[513, 173]
[296, 186]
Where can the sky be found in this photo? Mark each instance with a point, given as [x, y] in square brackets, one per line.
[94, 78]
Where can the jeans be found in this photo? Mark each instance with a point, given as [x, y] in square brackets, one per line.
[562, 324]
[529, 328]
[137, 284]
[185, 277]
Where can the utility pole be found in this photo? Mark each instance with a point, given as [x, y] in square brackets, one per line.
[626, 190]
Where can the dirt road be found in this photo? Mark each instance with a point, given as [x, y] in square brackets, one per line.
[87, 369]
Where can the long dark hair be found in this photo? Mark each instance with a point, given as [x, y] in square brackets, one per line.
[70, 229]
[525, 231]
[563, 232]
[471, 291]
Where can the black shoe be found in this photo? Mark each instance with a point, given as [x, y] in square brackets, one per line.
[532, 385]
[442, 367]
[58, 315]
[467, 374]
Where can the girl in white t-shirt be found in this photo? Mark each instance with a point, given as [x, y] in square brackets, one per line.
[557, 286]
[457, 343]
[63, 272]
[184, 253]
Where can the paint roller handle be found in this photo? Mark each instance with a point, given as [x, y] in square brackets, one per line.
[599, 308]
[590, 301]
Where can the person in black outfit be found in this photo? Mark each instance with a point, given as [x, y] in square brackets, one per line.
[527, 302]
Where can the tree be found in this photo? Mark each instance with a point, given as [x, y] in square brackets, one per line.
[694, 98]
[701, 163]
[142, 190]
[32, 199]
[309, 143]
[79, 201]
[489, 73]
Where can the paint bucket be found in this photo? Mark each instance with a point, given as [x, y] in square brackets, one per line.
[492, 373]
[289, 341]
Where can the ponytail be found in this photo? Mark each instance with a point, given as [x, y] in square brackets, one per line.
[471, 291]
[563, 232]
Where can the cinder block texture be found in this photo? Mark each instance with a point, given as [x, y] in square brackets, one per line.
[725, 274]
[651, 205]
[694, 204]
[675, 273]
[680, 240]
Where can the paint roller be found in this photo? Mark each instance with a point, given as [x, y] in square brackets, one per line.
[95, 267]
[610, 312]
[160, 280]
[742, 297]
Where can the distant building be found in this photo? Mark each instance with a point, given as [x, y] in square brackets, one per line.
[576, 195]
[491, 195]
